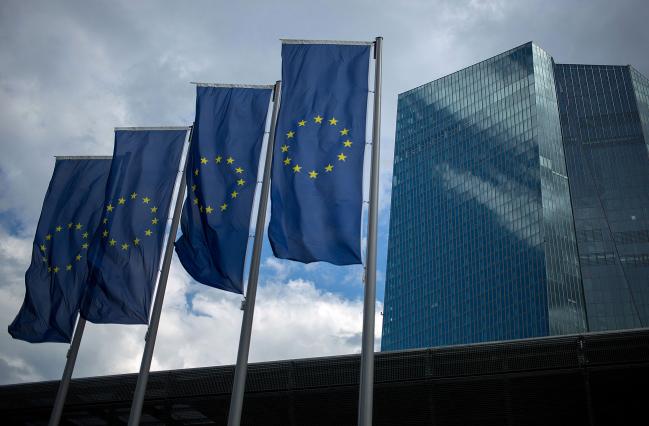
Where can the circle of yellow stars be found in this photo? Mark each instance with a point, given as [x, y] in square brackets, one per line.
[318, 120]
[58, 232]
[219, 160]
[112, 208]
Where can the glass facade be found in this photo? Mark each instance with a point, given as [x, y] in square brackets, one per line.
[565, 296]
[482, 244]
[604, 110]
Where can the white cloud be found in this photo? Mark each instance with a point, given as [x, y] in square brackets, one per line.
[280, 268]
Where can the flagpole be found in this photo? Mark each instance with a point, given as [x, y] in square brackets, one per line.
[240, 370]
[152, 331]
[64, 385]
[367, 349]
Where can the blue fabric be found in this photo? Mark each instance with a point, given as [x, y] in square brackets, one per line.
[221, 180]
[55, 280]
[318, 159]
[125, 252]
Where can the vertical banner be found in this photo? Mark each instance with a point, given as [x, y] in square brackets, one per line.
[221, 180]
[125, 252]
[318, 164]
[55, 280]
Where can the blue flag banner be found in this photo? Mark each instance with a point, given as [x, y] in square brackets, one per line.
[126, 249]
[56, 278]
[221, 181]
[317, 177]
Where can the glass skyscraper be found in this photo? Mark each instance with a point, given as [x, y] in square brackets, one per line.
[482, 243]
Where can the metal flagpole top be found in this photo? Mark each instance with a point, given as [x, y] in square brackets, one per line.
[234, 86]
[357, 43]
[153, 128]
[83, 157]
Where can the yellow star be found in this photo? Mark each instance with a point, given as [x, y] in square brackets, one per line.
[234, 194]
[196, 172]
[105, 233]
[134, 196]
[121, 200]
[194, 187]
[301, 123]
[196, 201]
[45, 260]
[290, 134]
[333, 121]
[329, 167]
[224, 206]
[68, 268]
[287, 161]
[78, 257]
[59, 228]
[85, 235]
[200, 209]
[313, 174]
[84, 246]
[240, 182]
[78, 226]
[109, 207]
[317, 119]
[105, 221]
[344, 131]
[56, 269]
[124, 246]
[342, 157]
[148, 232]
[347, 143]
[146, 200]
[154, 221]
[284, 148]
[43, 247]
[48, 237]
[209, 209]
[70, 225]
[297, 168]
[136, 242]
[112, 242]
[238, 170]
[154, 209]
[49, 269]
[218, 159]
[203, 160]
[230, 160]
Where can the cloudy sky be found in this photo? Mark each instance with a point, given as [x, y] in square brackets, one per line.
[71, 71]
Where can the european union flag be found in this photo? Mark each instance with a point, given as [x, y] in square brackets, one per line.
[317, 179]
[56, 278]
[126, 249]
[221, 180]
